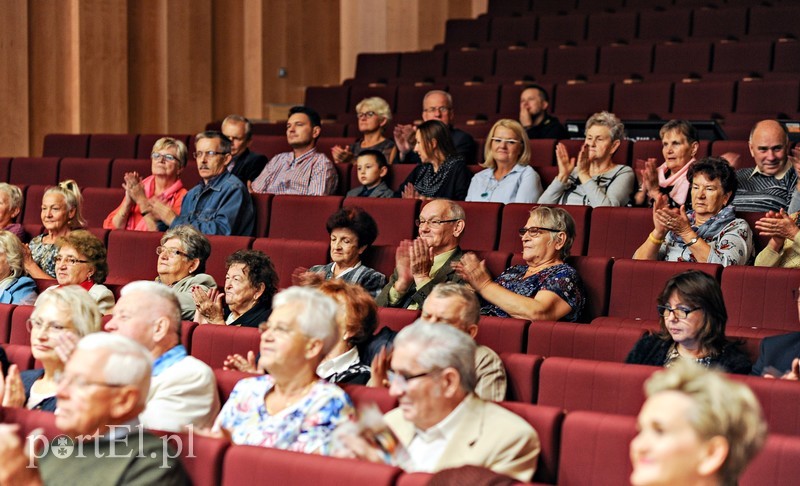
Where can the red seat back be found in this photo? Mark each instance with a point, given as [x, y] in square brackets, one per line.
[227, 380]
[601, 343]
[86, 172]
[522, 375]
[19, 332]
[776, 464]
[34, 170]
[595, 445]
[395, 318]
[595, 273]
[98, 202]
[212, 344]
[502, 334]
[302, 217]
[132, 255]
[262, 204]
[362, 395]
[287, 255]
[778, 399]
[394, 217]
[547, 422]
[65, 145]
[760, 297]
[221, 248]
[482, 225]
[113, 145]
[618, 232]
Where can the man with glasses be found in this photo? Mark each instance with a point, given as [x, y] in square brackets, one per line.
[422, 263]
[440, 422]
[183, 390]
[245, 164]
[779, 356]
[100, 395]
[220, 203]
[437, 105]
[304, 170]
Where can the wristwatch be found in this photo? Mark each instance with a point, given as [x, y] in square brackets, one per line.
[692, 241]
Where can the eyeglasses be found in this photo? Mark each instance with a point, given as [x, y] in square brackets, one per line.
[401, 381]
[436, 109]
[40, 326]
[208, 154]
[366, 114]
[433, 223]
[67, 381]
[171, 252]
[168, 157]
[678, 312]
[534, 231]
[68, 260]
[509, 141]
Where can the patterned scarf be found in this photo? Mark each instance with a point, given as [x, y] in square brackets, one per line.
[429, 182]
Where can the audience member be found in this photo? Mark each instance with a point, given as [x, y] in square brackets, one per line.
[250, 284]
[692, 319]
[594, 180]
[711, 232]
[245, 164]
[373, 115]
[61, 213]
[779, 356]
[533, 104]
[426, 261]
[679, 144]
[441, 173]
[545, 287]
[352, 230]
[220, 203]
[697, 427]
[783, 248]
[507, 178]
[10, 207]
[183, 390]
[371, 167]
[181, 265]
[303, 170]
[16, 287]
[100, 395]
[436, 105]
[150, 201]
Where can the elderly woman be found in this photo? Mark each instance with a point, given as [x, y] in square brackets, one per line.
[182, 259]
[250, 284]
[679, 144]
[507, 178]
[59, 312]
[696, 428]
[594, 180]
[373, 116]
[352, 231]
[150, 200]
[10, 207]
[291, 407]
[711, 232]
[61, 213]
[545, 287]
[692, 319]
[15, 286]
[442, 173]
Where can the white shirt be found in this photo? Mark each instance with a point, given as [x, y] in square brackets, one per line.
[338, 364]
[427, 446]
[521, 185]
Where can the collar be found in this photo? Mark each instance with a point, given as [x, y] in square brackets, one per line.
[338, 364]
[216, 181]
[86, 284]
[779, 176]
[168, 359]
[447, 427]
[345, 271]
[441, 258]
[303, 157]
[116, 432]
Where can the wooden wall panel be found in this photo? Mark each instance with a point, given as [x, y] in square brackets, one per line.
[14, 125]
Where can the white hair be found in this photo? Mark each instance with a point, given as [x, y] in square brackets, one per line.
[164, 292]
[127, 362]
[317, 317]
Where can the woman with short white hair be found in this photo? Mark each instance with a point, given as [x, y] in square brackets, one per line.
[374, 114]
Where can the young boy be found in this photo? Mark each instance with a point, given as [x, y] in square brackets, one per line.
[371, 167]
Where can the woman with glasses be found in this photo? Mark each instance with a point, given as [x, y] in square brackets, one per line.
[544, 287]
[692, 319]
[16, 287]
[374, 115]
[63, 313]
[443, 172]
[81, 260]
[181, 262]
[61, 213]
[148, 201]
[507, 178]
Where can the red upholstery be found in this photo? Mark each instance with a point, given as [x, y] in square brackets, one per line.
[740, 147]
[120, 166]
[190, 177]
[522, 375]
[705, 97]
[562, 28]
[202, 457]
[113, 145]
[287, 255]
[482, 225]
[636, 284]
[743, 57]
[421, 66]
[250, 465]
[302, 217]
[463, 32]
[769, 97]
[760, 297]
[362, 395]
[601, 343]
[5, 167]
[542, 154]
[779, 19]
[778, 400]
[477, 101]
[262, 204]
[44, 283]
[227, 380]
[595, 445]
[397, 175]
[5, 321]
[20, 355]
[409, 98]
[32, 213]
[328, 101]
[414, 479]
[380, 258]
[394, 217]
[212, 344]
[651, 324]
[359, 92]
[623, 60]
[19, 333]
[502, 334]
[606, 28]
[187, 329]
[581, 100]
[132, 255]
[618, 232]
[595, 274]
[759, 241]
[269, 145]
[645, 149]
[98, 202]
[395, 318]
[86, 172]
[29, 420]
[642, 100]
[496, 261]
[343, 172]
[776, 464]
[377, 66]
[65, 145]
[547, 422]
[576, 384]
[221, 248]
[513, 30]
[34, 170]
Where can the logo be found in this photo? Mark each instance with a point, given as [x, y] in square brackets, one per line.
[62, 446]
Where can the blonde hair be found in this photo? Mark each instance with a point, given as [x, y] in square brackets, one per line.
[71, 193]
[379, 105]
[180, 147]
[14, 194]
[12, 248]
[74, 300]
[514, 126]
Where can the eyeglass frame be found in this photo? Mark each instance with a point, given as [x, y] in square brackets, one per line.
[402, 380]
[70, 261]
[510, 141]
[366, 114]
[665, 310]
[30, 325]
[207, 154]
[61, 380]
[172, 252]
[434, 223]
[437, 109]
[534, 231]
[158, 156]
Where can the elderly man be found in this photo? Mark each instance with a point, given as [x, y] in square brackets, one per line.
[426, 261]
[303, 170]
[533, 104]
[183, 390]
[773, 183]
[100, 395]
[437, 105]
[220, 203]
[440, 421]
[245, 164]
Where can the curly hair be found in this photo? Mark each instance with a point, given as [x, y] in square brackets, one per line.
[356, 220]
[92, 249]
[716, 168]
[259, 270]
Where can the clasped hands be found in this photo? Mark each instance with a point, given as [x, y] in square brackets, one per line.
[779, 226]
[667, 219]
[414, 260]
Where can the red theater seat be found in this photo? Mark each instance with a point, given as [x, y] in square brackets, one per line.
[144, 146]
[221, 248]
[287, 255]
[618, 232]
[120, 166]
[778, 399]
[776, 464]
[515, 216]
[212, 344]
[34, 170]
[86, 172]
[132, 255]
[522, 374]
[202, 457]
[113, 145]
[227, 380]
[760, 297]
[5, 321]
[65, 145]
[482, 225]
[98, 202]
[28, 420]
[502, 334]
[262, 203]
[595, 273]
[547, 422]
[302, 217]
[581, 341]
[395, 318]
[380, 258]
[20, 355]
[363, 395]
[19, 333]
[394, 217]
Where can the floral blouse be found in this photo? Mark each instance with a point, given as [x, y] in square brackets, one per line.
[305, 426]
[44, 255]
[562, 279]
[732, 245]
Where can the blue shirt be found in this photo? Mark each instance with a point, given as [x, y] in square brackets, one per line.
[221, 207]
[168, 359]
[521, 185]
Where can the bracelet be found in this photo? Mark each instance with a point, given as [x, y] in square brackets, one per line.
[654, 240]
[692, 241]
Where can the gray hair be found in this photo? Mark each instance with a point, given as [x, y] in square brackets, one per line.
[127, 362]
[441, 346]
[471, 311]
[224, 142]
[14, 194]
[71, 193]
[194, 243]
[317, 319]
[558, 219]
[12, 248]
[379, 105]
[75, 300]
[610, 121]
[454, 209]
[163, 292]
[248, 127]
[440, 92]
[180, 147]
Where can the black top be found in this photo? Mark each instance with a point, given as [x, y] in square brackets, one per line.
[248, 165]
[652, 350]
[28, 378]
[4, 364]
[778, 352]
[549, 128]
[252, 318]
[455, 187]
[463, 141]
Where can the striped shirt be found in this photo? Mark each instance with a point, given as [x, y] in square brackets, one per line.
[758, 192]
[311, 174]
